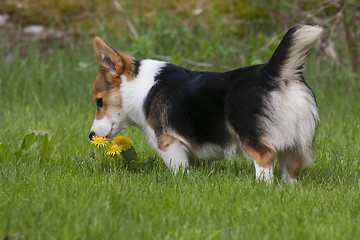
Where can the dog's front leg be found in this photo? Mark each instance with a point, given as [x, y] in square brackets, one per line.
[175, 156]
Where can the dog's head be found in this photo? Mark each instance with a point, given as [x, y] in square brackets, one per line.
[114, 68]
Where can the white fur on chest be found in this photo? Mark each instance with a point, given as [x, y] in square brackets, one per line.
[134, 92]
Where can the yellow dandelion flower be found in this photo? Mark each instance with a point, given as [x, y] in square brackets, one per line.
[123, 142]
[113, 150]
[99, 141]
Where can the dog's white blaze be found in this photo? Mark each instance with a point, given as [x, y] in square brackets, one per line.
[265, 174]
[101, 127]
[111, 124]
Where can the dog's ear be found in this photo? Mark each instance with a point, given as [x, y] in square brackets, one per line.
[109, 60]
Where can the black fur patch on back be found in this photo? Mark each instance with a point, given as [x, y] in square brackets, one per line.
[199, 105]
[245, 103]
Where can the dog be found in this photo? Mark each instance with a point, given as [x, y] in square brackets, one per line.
[263, 111]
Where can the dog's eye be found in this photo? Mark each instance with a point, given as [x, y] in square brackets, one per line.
[99, 102]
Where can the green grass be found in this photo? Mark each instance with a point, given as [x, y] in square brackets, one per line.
[58, 197]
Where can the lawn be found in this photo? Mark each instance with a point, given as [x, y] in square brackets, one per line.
[54, 189]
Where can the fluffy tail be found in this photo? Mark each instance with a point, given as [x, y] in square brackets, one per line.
[289, 58]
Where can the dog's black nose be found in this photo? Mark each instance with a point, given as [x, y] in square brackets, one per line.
[91, 135]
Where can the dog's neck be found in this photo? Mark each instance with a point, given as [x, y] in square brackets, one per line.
[134, 92]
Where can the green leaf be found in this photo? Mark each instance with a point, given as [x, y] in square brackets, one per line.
[131, 159]
[27, 142]
[130, 155]
[4, 150]
[45, 147]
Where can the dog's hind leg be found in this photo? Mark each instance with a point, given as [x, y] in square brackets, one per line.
[291, 164]
[263, 160]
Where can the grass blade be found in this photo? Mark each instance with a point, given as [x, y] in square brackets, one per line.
[4, 150]
[45, 147]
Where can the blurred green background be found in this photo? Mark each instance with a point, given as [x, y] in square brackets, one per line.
[228, 33]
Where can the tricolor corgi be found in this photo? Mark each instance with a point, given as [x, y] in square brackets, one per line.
[264, 111]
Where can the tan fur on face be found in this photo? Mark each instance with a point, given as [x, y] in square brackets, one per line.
[113, 66]
[108, 91]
